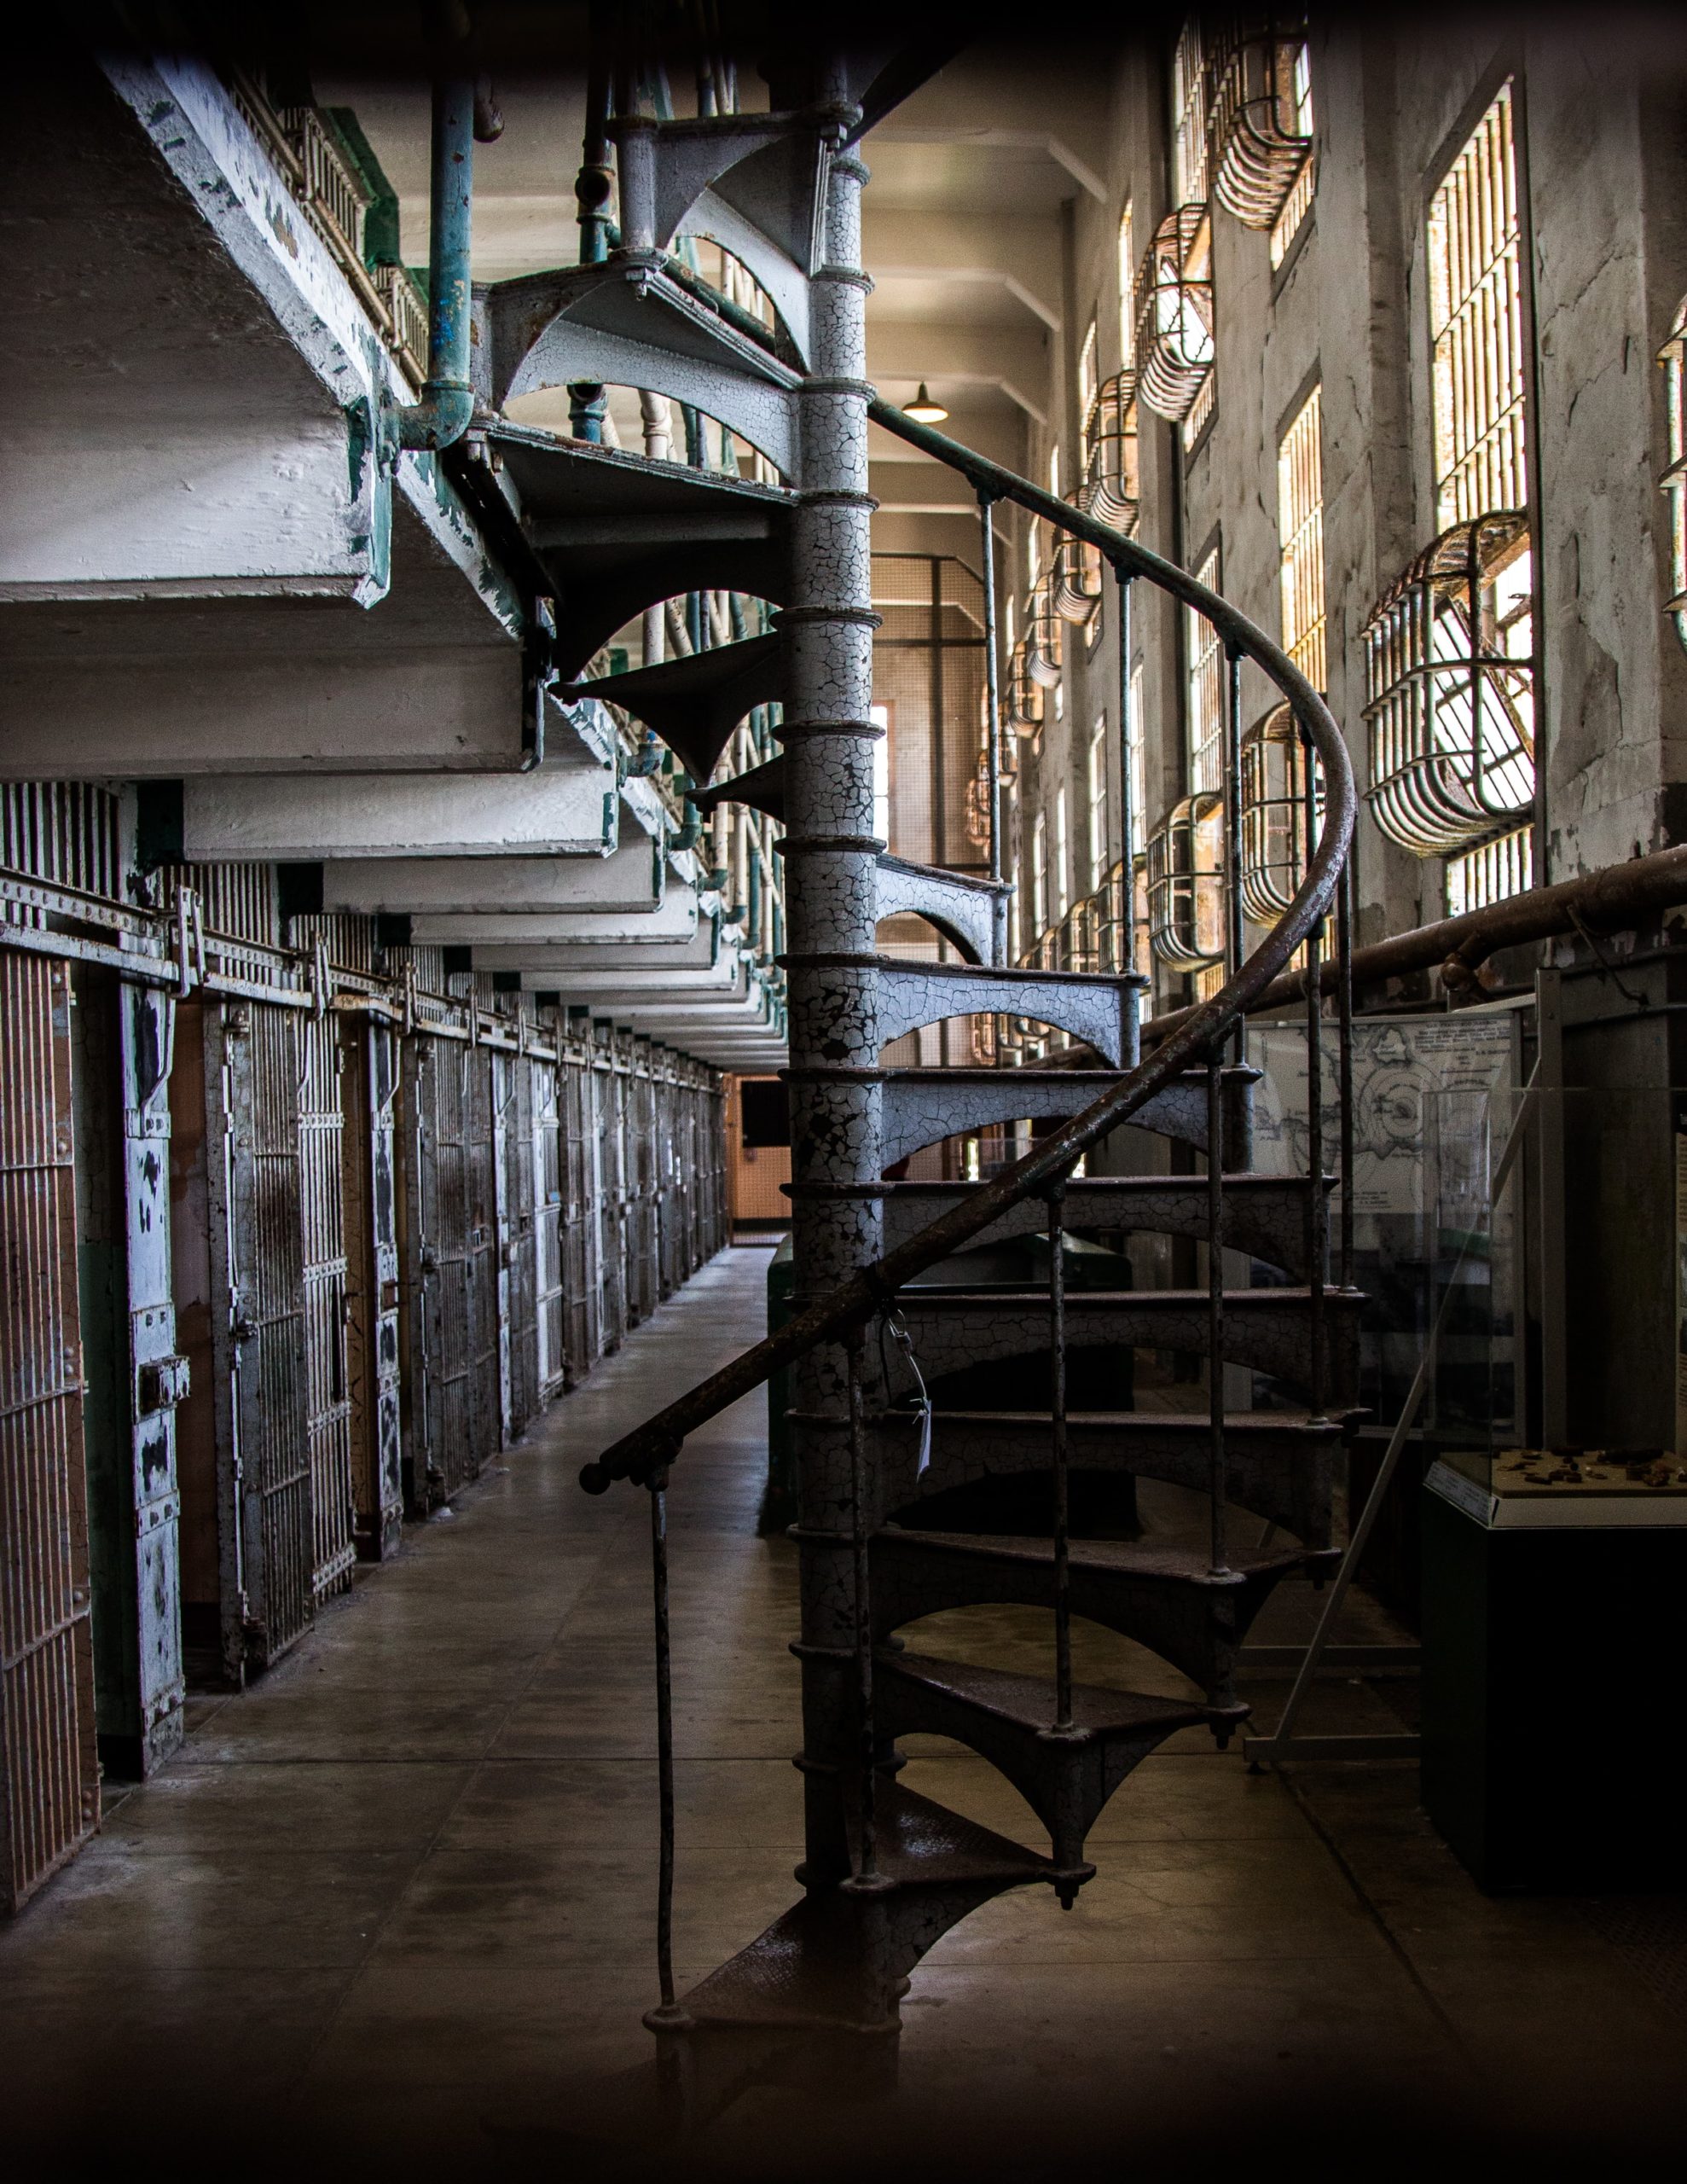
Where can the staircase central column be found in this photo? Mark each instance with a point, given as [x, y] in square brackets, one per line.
[830, 893]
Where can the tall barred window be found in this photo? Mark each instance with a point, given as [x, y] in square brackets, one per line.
[1097, 804]
[1189, 116]
[1477, 324]
[1127, 290]
[1300, 529]
[1204, 692]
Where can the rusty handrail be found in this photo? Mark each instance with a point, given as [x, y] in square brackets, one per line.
[643, 1454]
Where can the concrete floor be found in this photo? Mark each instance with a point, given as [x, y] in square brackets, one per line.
[393, 1908]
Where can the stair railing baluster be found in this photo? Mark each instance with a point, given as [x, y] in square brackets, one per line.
[669, 2016]
[1219, 1548]
[1056, 1197]
[867, 1876]
[1126, 579]
[1318, 1201]
[992, 678]
[1344, 1003]
[1232, 833]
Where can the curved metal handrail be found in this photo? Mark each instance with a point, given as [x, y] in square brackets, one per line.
[644, 1454]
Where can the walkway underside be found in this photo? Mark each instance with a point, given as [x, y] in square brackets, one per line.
[398, 1899]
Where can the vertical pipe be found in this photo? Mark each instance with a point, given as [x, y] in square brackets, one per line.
[443, 415]
[1216, 1488]
[1058, 1452]
[1127, 781]
[940, 798]
[992, 679]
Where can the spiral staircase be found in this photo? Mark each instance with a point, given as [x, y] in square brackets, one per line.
[608, 535]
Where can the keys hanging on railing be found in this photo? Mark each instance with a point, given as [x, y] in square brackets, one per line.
[1060, 1475]
[897, 1329]
[1218, 1550]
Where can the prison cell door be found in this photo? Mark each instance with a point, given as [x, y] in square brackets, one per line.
[512, 1092]
[550, 1277]
[328, 1421]
[608, 1093]
[50, 1793]
[370, 1086]
[252, 1063]
[579, 1262]
[485, 1317]
[439, 1433]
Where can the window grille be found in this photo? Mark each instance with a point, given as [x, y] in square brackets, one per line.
[1099, 802]
[1204, 694]
[1189, 115]
[1295, 206]
[1491, 872]
[1477, 324]
[1127, 289]
[1449, 674]
[1039, 873]
[1112, 491]
[1074, 577]
[1186, 885]
[1174, 313]
[1200, 410]
[1043, 637]
[1273, 811]
[1063, 853]
[1673, 358]
[1087, 370]
[1025, 703]
[1300, 525]
[1261, 121]
[1137, 843]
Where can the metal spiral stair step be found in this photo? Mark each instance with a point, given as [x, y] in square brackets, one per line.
[922, 1106]
[694, 703]
[1270, 1329]
[1279, 1465]
[838, 1961]
[1166, 1596]
[1264, 1215]
[616, 532]
[1066, 1776]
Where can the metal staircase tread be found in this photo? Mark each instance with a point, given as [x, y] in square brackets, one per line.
[1015, 974]
[693, 703]
[1095, 1300]
[1028, 1701]
[965, 1073]
[1290, 1423]
[972, 879]
[1248, 1180]
[558, 476]
[762, 788]
[1168, 1564]
[803, 1972]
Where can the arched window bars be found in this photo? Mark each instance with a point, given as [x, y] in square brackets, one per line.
[1450, 677]
[1043, 633]
[1023, 699]
[1111, 490]
[1186, 885]
[1277, 827]
[1174, 313]
[1259, 115]
[1075, 588]
[1673, 358]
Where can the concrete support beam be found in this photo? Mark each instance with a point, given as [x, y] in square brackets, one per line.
[675, 919]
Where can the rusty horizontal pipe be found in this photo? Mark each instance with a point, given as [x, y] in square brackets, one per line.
[1610, 900]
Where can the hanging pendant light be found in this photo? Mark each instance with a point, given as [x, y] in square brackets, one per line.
[923, 411]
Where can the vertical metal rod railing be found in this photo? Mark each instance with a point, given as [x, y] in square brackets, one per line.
[1318, 1200]
[1219, 1543]
[664, 1736]
[1059, 1474]
[866, 1865]
[1127, 784]
[1344, 1003]
[992, 679]
[1232, 833]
